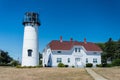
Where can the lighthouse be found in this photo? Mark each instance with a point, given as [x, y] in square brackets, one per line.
[30, 53]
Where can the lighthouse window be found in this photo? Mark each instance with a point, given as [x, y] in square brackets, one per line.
[29, 52]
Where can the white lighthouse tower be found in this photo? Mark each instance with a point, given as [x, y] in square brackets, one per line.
[30, 54]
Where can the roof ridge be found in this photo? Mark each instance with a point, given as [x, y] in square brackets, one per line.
[67, 45]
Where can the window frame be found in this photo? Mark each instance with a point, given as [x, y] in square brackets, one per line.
[86, 60]
[77, 59]
[59, 60]
[94, 60]
[29, 51]
[75, 49]
[79, 49]
[68, 60]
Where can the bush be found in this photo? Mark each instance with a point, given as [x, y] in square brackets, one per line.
[5, 65]
[109, 65]
[106, 65]
[61, 65]
[40, 62]
[73, 66]
[39, 66]
[66, 65]
[116, 62]
[89, 65]
[18, 66]
[99, 65]
[14, 63]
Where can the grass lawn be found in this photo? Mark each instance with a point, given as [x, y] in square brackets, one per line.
[109, 73]
[44, 74]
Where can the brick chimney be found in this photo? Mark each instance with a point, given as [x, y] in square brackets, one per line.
[61, 39]
[71, 39]
[85, 42]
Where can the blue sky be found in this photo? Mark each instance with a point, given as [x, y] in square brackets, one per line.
[97, 20]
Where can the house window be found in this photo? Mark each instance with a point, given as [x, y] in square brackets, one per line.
[77, 59]
[58, 51]
[86, 60]
[68, 60]
[29, 52]
[59, 60]
[75, 49]
[79, 49]
[94, 60]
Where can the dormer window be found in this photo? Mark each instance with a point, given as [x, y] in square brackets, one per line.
[75, 49]
[79, 49]
[58, 51]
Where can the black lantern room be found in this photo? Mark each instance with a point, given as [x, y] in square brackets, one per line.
[31, 18]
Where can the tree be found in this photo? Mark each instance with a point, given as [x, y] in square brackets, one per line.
[110, 49]
[40, 57]
[117, 50]
[101, 45]
[104, 59]
[4, 57]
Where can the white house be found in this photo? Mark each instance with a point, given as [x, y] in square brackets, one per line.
[71, 53]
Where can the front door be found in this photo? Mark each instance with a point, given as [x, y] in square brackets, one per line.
[78, 62]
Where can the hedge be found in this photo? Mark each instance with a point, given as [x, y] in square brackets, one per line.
[89, 65]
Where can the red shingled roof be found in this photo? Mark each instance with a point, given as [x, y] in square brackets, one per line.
[67, 45]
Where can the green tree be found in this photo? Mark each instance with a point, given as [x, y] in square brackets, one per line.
[4, 57]
[40, 57]
[110, 49]
[104, 59]
[101, 45]
[117, 50]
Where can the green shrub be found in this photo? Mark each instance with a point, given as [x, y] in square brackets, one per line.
[66, 65]
[61, 65]
[5, 64]
[14, 63]
[104, 65]
[73, 66]
[109, 65]
[40, 62]
[116, 62]
[39, 66]
[30, 67]
[18, 66]
[89, 65]
[99, 65]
